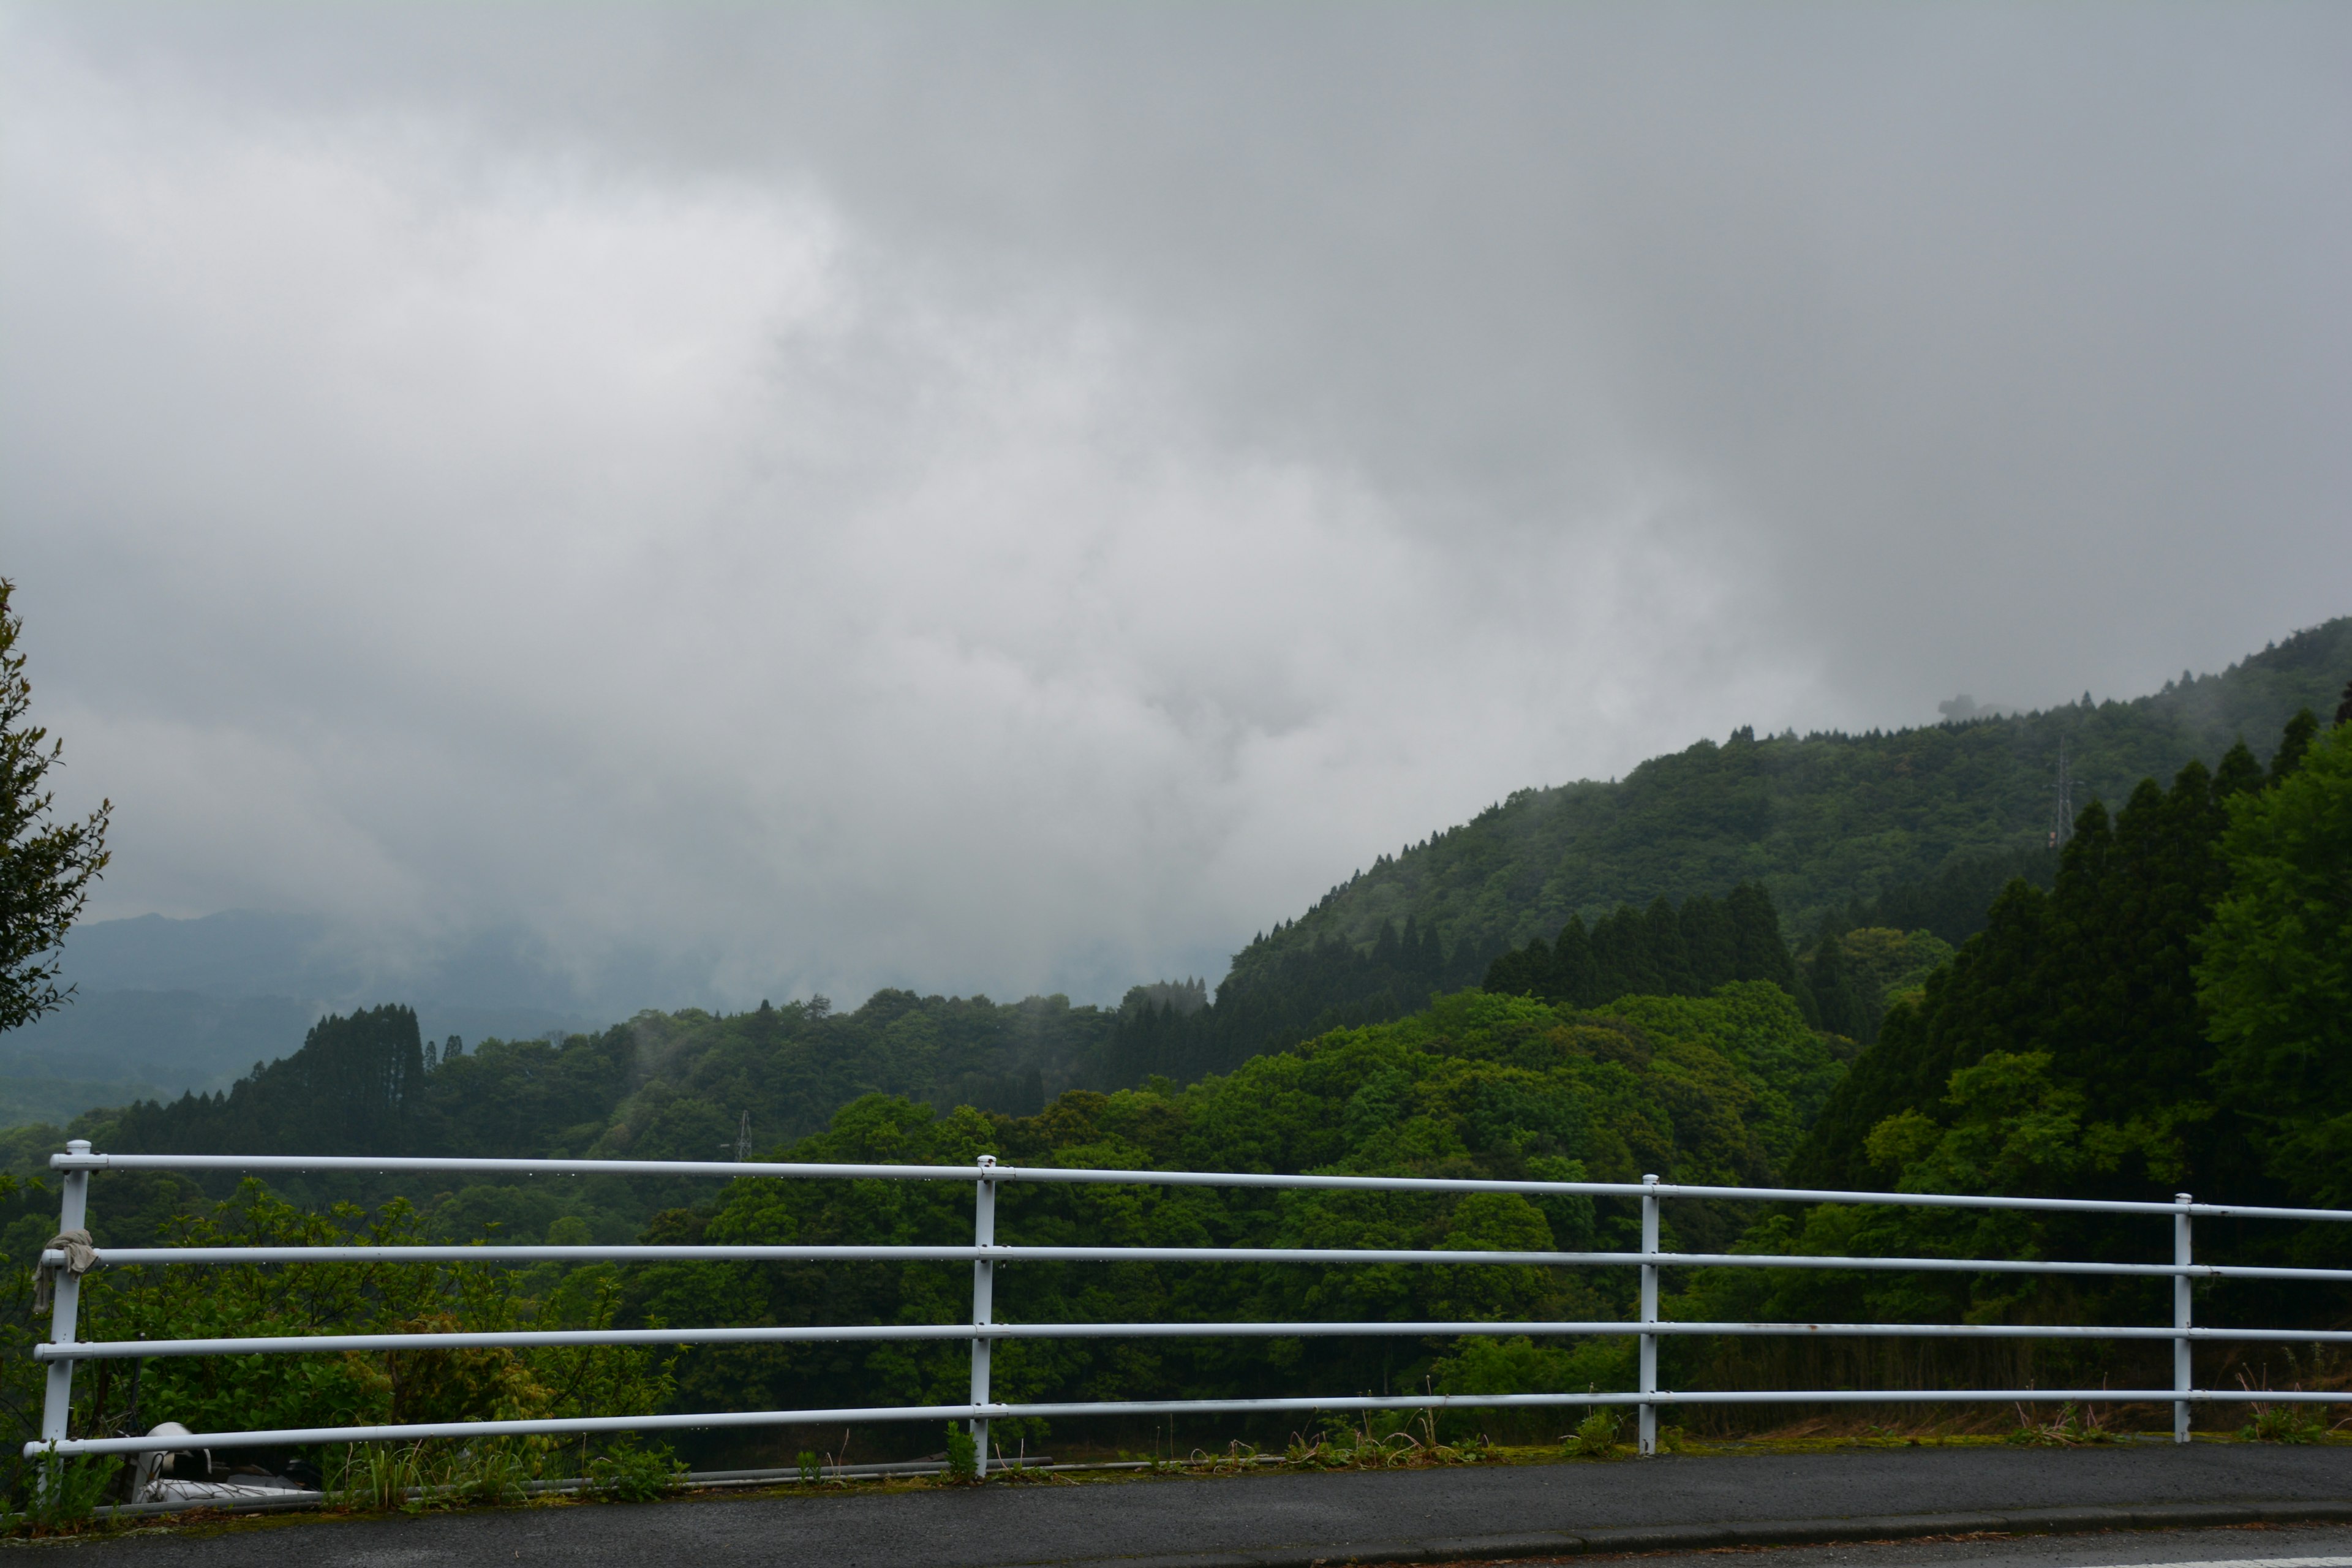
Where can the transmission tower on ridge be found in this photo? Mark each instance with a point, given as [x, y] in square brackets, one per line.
[2062, 821]
[743, 1140]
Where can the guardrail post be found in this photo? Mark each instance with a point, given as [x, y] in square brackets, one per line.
[1648, 1429]
[56, 1405]
[983, 1303]
[2181, 1257]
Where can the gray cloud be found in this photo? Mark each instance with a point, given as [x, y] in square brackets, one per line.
[1021, 498]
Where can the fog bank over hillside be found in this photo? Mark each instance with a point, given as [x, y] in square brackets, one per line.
[766, 501]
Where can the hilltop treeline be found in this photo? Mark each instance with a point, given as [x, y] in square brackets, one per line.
[1660, 951]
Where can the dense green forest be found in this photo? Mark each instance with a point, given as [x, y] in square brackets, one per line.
[1715, 1088]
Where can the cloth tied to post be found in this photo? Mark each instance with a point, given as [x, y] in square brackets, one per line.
[81, 1257]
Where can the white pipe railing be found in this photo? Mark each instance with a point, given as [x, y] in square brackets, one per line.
[64, 1349]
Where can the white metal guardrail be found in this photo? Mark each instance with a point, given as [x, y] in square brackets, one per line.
[63, 1350]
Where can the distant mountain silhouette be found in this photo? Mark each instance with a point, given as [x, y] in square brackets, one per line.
[165, 1004]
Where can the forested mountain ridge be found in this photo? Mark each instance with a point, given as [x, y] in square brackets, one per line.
[1819, 820]
[1909, 830]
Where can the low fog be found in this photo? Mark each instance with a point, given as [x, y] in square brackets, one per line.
[1019, 498]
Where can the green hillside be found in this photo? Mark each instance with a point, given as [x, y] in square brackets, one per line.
[1819, 820]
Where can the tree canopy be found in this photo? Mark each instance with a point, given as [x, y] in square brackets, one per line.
[2276, 972]
[46, 864]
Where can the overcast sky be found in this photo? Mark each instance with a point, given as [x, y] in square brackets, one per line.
[1021, 498]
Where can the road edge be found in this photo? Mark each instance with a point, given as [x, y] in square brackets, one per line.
[1642, 1538]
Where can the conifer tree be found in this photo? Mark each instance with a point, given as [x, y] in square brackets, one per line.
[1620, 955]
[1709, 941]
[2098, 973]
[1755, 931]
[2300, 730]
[1521, 971]
[1573, 974]
[1662, 933]
[1839, 1005]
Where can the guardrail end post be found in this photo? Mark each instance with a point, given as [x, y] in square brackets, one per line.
[2182, 1257]
[56, 1402]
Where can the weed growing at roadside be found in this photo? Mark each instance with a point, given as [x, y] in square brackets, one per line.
[964, 1455]
[1595, 1437]
[2071, 1428]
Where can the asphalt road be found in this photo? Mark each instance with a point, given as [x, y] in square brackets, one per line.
[2262, 1548]
[1425, 1515]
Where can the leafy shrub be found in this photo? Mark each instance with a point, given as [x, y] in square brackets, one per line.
[629, 1474]
[964, 1455]
[1595, 1437]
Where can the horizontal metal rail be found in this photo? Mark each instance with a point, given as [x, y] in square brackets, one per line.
[141, 1256]
[302, 1437]
[984, 1255]
[536, 1339]
[733, 1170]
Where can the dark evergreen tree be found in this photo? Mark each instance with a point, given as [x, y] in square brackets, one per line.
[1522, 972]
[1661, 936]
[356, 1087]
[2300, 731]
[1755, 932]
[2097, 973]
[1840, 1007]
[1709, 941]
[1575, 980]
[1953, 903]
[1432, 956]
[1621, 955]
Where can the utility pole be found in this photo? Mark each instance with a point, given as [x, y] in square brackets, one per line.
[2062, 822]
